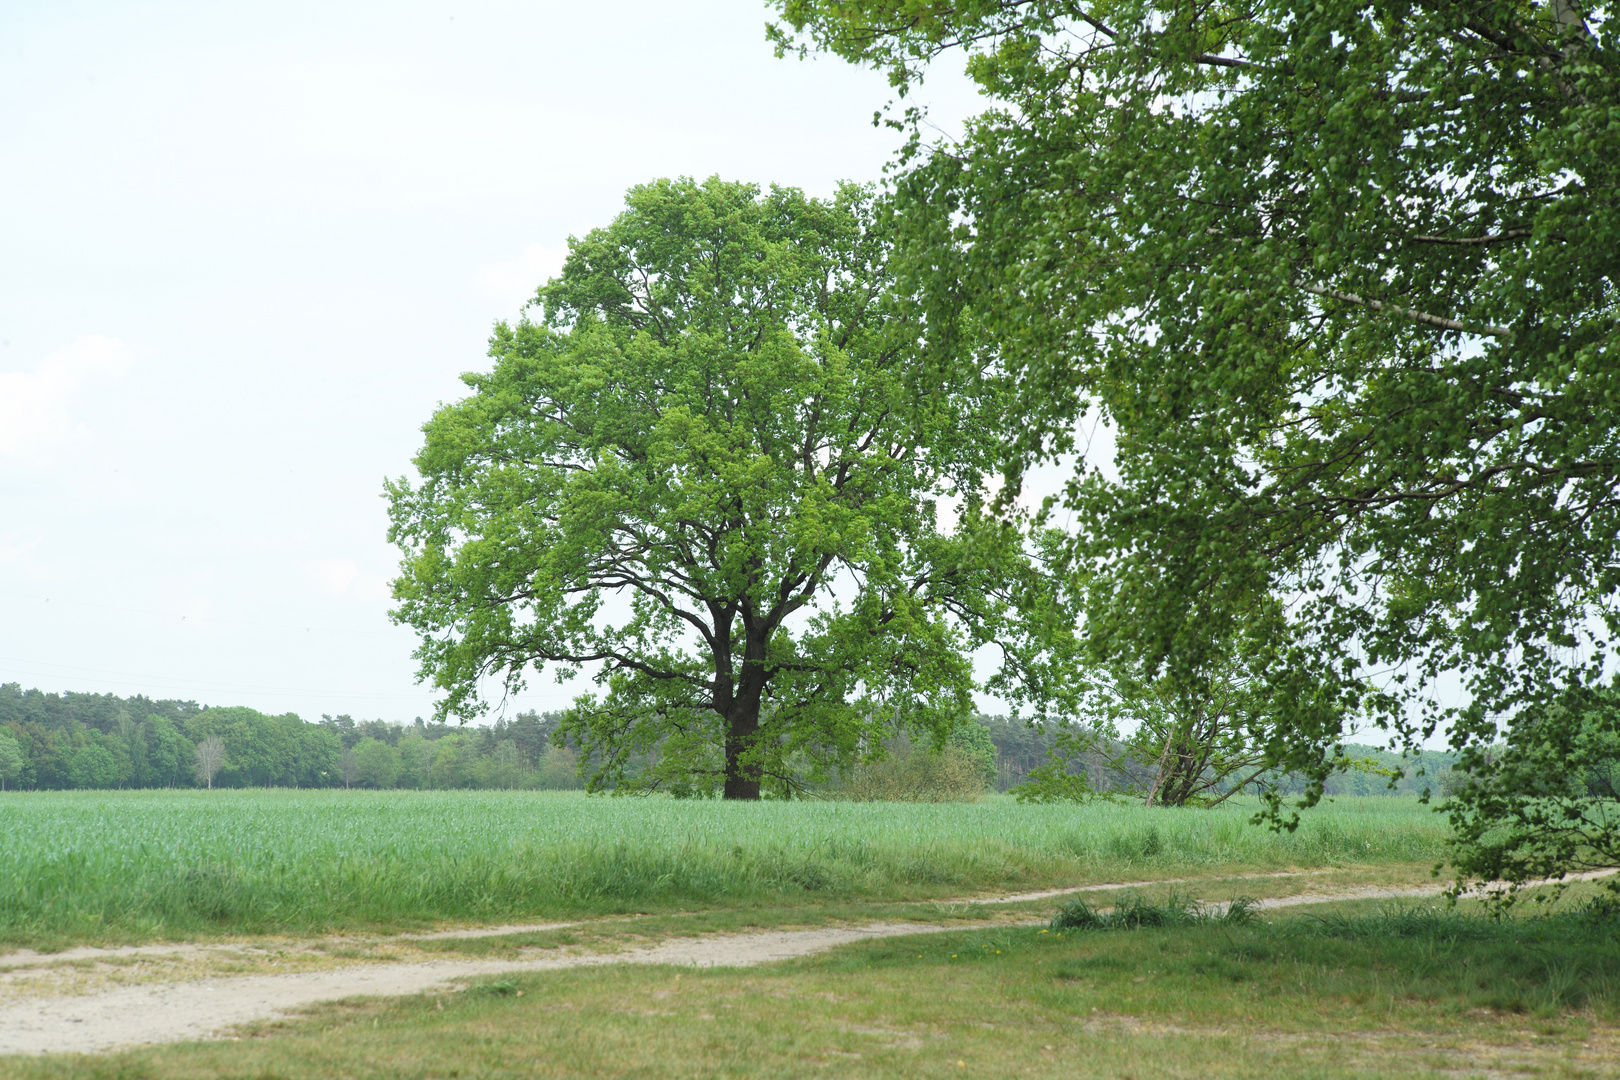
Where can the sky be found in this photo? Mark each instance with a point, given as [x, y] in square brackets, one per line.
[245, 251]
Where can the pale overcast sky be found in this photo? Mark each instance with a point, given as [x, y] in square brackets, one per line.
[244, 252]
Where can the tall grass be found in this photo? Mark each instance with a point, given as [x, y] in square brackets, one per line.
[126, 865]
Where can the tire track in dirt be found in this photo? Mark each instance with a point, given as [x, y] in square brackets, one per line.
[29, 958]
[203, 1008]
[137, 1015]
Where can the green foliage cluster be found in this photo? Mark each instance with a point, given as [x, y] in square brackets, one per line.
[75, 740]
[972, 739]
[133, 865]
[1057, 763]
[520, 752]
[1343, 278]
[714, 468]
[1169, 742]
[1546, 804]
[78, 740]
[916, 773]
[1377, 771]
[51, 741]
[12, 759]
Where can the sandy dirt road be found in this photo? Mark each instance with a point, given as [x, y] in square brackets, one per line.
[28, 958]
[134, 1015]
[205, 1008]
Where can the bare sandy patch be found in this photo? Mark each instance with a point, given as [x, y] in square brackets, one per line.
[132, 1016]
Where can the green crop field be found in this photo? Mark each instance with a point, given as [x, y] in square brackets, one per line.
[124, 866]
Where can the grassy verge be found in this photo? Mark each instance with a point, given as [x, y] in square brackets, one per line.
[1407, 992]
[127, 866]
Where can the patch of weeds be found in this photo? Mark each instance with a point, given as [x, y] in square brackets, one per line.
[1402, 923]
[1250, 952]
[1082, 967]
[215, 893]
[928, 872]
[505, 944]
[1602, 909]
[812, 877]
[498, 988]
[1078, 914]
[1133, 911]
[1542, 965]
[1242, 911]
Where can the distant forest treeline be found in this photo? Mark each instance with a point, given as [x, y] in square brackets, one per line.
[75, 740]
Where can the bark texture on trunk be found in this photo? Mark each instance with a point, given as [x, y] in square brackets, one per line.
[742, 782]
[742, 724]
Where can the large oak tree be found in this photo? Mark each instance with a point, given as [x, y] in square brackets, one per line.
[711, 468]
[1341, 274]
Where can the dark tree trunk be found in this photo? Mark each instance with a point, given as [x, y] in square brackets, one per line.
[742, 724]
[742, 781]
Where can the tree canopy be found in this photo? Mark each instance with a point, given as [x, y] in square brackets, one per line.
[1341, 276]
[709, 468]
[11, 759]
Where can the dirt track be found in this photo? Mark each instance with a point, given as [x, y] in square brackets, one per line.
[203, 1008]
[28, 958]
[194, 1010]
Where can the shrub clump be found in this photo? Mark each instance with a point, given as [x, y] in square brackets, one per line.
[917, 774]
[1134, 911]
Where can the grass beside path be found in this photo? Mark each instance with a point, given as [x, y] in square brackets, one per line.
[112, 867]
[1368, 991]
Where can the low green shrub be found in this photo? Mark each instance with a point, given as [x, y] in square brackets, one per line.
[1133, 911]
[918, 774]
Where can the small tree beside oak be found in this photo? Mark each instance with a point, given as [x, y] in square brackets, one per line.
[1190, 741]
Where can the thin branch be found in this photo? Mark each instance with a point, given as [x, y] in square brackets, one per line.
[1510, 234]
[1240, 785]
[621, 660]
[1224, 61]
[1410, 313]
[1097, 24]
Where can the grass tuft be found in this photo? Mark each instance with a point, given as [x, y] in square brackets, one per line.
[498, 988]
[1133, 911]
